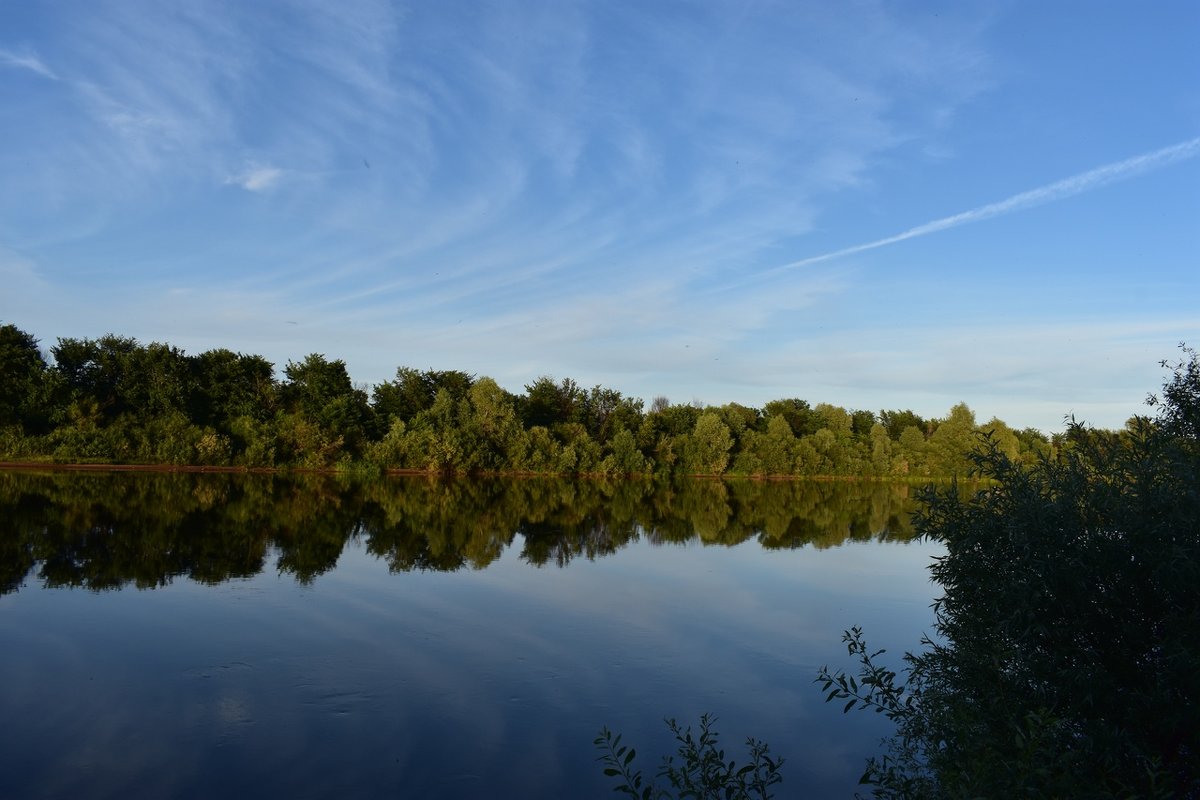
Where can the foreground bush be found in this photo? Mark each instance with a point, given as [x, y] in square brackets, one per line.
[1064, 660]
[701, 772]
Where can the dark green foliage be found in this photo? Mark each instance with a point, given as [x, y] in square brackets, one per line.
[701, 772]
[156, 380]
[742, 418]
[1179, 406]
[314, 382]
[800, 417]
[403, 398]
[896, 421]
[675, 420]
[231, 385]
[413, 392]
[332, 418]
[771, 452]
[624, 457]
[861, 423]
[22, 380]
[96, 370]
[1067, 638]
[548, 403]
[113, 399]
[604, 412]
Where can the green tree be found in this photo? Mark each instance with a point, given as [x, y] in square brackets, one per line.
[770, 453]
[231, 385]
[707, 450]
[882, 451]
[740, 418]
[1067, 636]
[437, 440]
[861, 423]
[674, 420]
[913, 452]
[94, 370]
[117, 400]
[494, 425]
[156, 380]
[842, 451]
[22, 380]
[604, 412]
[624, 457]
[541, 452]
[320, 391]
[952, 442]
[1179, 403]
[1033, 445]
[896, 421]
[549, 403]
[1003, 437]
[580, 453]
[779, 448]
[413, 392]
[799, 415]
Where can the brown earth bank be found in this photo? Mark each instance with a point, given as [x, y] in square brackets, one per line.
[66, 467]
[44, 465]
[98, 467]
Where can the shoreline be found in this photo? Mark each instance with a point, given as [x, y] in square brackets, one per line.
[17, 466]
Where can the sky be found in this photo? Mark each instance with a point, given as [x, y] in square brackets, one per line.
[871, 204]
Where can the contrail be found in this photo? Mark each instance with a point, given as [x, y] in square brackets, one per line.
[1067, 187]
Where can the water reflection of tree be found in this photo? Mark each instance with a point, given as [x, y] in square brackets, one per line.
[111, 530]
[437, 524]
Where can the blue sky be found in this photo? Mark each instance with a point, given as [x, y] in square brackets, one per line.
[878, 205]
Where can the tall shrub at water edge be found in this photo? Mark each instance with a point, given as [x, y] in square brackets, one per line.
[1063, 663]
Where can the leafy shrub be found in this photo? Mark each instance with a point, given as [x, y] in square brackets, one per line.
[702, 771]
[1064, 659]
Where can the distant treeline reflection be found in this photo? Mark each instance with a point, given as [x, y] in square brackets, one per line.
[113, 530]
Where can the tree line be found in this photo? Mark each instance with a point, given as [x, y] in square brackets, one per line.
[115, 400]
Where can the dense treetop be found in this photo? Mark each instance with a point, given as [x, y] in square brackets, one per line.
[115, 400]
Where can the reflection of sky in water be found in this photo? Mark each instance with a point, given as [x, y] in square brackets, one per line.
[466, 684]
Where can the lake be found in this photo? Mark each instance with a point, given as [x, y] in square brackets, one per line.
[201, 635]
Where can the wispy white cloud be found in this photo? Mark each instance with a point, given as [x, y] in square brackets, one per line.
[1059, 190]
[256, 177]
[511, 189]
[27, 61]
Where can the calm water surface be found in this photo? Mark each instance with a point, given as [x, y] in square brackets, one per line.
[254, 636]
